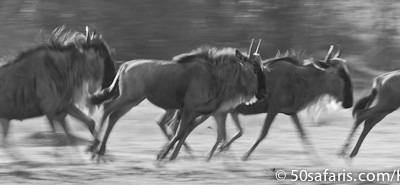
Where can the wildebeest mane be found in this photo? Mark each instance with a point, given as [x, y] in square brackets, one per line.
[59, 63]
[230, 77]
[291, 59]
[214, 55]
[60, 39]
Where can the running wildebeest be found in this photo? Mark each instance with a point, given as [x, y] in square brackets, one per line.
[201, 82]
[386, 94]
[49, 79]
[292, 86]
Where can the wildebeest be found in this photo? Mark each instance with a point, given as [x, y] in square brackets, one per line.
[292, 85]
[49, 79]
[386, 93]
[204, 81]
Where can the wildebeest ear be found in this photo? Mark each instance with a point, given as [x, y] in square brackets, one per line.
[321, 64]
[239, 56]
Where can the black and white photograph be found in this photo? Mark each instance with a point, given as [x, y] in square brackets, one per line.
[193, 92]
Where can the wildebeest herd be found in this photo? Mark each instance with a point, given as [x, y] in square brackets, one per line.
[75, 69]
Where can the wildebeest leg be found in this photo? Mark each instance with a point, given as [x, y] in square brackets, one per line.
[267, 124]
[187, 118]
[62, 120]
[306, 142]
[5, 124]
[303, 135]
[172, 118]
[117, 109]
[192, 125]
[357, 123]
[166, 118]
[220, 119]
[107, 110]
[368, 125]
[175, 122]
[235, 117]
[51, 123]
[51, 119]
[79, 115]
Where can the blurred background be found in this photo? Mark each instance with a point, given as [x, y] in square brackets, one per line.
[367, 30]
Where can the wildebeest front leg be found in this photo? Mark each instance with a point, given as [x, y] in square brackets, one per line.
[166, 119]
[193, 124]
[60, 118]
[306, 142]
[220, 119]
[185, 122]
[368, 125]
[235, 117]
[5, 124]
[172, 118]
[303, 135]
[78, 114]
[267, 124]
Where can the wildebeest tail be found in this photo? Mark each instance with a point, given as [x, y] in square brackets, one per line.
[364, 102]
[108, 93]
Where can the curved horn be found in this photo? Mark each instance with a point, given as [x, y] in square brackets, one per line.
[87, 34]
[93, 35]
[258, 46]
[251, 45]
[337, 55]
[329, 54]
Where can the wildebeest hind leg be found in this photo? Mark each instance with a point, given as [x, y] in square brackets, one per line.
[345, 147]
[119, 110]
[267, 124]
[368, 125]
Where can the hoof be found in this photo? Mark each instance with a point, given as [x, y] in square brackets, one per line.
[341, 154]
[223, 148]
[101, 158]
[93, 148]
[245, 157]
[208, 157]
[161, 156]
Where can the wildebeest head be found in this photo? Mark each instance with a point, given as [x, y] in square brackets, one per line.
[99, 45]
[338, 76]
[255, 60]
